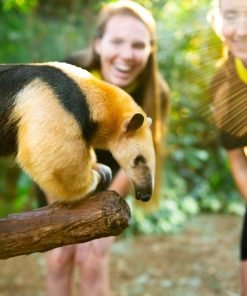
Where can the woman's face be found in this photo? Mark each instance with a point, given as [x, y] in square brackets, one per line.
[124, 49]
[234, 26]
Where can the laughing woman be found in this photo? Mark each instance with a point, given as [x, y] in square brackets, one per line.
[124, 53]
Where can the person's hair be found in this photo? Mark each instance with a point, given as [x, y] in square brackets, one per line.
[215, 19]
[150, 80]
[214, 15]
[217, 3]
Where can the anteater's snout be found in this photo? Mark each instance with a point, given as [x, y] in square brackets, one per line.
[144, 190]
[143, 181]
[144, 196]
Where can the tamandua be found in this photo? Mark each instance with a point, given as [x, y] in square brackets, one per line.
[52, 117]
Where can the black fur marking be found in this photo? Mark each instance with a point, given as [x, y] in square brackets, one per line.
[14, 77]
[139, 159]
[8, 143]
[8, 90]
[143, 190]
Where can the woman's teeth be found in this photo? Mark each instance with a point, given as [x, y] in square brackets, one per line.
[123, 68]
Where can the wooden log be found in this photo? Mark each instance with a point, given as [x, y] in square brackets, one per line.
[103, 214]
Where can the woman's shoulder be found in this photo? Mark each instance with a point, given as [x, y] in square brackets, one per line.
[80, 58]
[225, 75]
[225, 67]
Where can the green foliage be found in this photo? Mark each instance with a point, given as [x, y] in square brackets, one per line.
[34, 38]
[15, 189]
[24, 6]
[197, 176]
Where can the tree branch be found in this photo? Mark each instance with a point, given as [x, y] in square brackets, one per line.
[103, 214]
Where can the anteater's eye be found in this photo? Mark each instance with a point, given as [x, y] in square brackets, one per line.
[139, 159]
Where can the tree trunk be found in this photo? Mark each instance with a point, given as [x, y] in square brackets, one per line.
[103, 214]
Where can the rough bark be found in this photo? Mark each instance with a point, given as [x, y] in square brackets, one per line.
[103, 214]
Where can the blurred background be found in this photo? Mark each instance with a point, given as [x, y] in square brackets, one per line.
[196, 174]
[192, 239]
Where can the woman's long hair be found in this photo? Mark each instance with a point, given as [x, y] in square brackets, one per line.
[155, 90]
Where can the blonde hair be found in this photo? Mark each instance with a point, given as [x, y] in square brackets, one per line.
[215, 19]
[214, 16]
[129, 8]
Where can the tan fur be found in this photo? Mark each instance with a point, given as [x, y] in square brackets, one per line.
[117, 109]
[51, 145]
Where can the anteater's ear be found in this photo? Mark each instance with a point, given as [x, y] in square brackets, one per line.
[135, 122]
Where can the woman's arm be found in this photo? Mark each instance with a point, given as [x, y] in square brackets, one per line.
[238, 162]
[120, 183]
